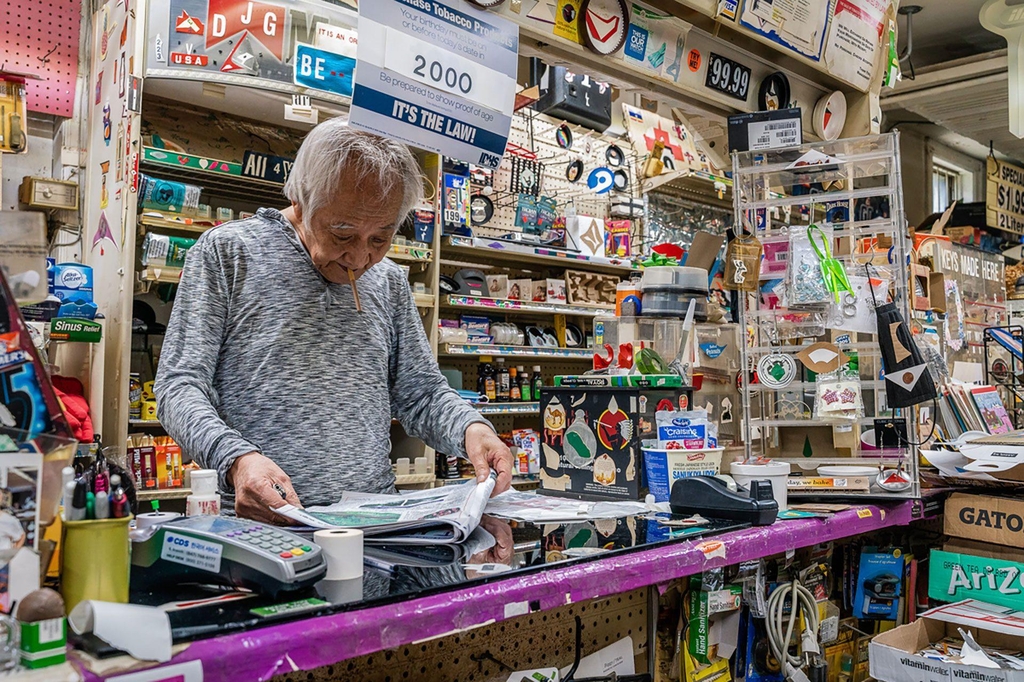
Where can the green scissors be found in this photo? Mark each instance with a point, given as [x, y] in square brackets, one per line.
[832, 270]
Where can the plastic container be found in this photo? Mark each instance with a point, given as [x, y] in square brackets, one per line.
[664, 467]
[95, 560]
[675, 276]
[664, 335]
[776, 472]
[668, 301]
[622, 290]
[204, 500]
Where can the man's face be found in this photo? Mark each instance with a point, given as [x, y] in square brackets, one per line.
[352, 232]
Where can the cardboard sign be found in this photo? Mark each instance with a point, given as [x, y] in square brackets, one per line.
[1004, 196]
[953, 576]
[999, 520]
[437, 75]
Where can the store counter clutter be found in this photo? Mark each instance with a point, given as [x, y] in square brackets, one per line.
[409, 592]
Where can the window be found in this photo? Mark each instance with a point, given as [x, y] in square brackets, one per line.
[950, 184]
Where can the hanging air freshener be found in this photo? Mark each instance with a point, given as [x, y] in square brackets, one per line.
[776, 370]
[743, 263]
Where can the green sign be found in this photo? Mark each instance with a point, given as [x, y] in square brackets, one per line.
[299, 606]
[75, 329]
[168, 158]
[952, 577]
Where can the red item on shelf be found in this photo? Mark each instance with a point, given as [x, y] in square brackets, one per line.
[71, 394]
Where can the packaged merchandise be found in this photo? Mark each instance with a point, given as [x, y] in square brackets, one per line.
[685, 430]
[161, 251]
[72, 281]
[204, 500]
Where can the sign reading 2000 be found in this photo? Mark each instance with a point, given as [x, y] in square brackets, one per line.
[437, 75]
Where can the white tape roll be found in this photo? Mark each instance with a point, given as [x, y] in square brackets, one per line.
[343, 550]
[154, 519]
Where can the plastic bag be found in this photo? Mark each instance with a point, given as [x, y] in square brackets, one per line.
[838, 398]
[805, 285]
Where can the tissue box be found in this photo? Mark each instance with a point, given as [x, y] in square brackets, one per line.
[43, 643]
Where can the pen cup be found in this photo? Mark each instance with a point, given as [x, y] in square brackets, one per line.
[95, 561]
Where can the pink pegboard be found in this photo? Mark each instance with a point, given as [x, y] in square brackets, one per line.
[35, 30]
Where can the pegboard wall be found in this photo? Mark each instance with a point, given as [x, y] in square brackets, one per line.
[532, 136]
[41, 37]
[485, 654]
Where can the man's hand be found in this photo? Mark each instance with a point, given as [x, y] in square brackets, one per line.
[253, 476]
[485, 452]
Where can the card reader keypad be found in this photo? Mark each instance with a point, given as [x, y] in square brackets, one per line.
[270, 541]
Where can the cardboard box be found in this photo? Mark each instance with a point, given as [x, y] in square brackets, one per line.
[953, 576]
[894, 656]
[520, 290]
[985, 518]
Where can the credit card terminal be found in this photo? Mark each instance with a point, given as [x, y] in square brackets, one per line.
[225, 551]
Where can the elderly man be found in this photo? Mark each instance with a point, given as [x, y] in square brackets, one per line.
[268, 372]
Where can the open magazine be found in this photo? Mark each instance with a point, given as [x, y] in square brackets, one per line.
[426, 517]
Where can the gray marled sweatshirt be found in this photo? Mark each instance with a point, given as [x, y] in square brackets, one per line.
[262, 353]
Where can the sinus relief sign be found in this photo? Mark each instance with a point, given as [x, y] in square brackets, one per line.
[436, 75]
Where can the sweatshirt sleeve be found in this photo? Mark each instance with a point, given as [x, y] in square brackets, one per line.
[186, 399]
[421, 398]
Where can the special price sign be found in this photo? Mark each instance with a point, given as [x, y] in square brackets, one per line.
[1004, 201]
[437, 75]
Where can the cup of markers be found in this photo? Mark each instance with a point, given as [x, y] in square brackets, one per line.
[95, 547]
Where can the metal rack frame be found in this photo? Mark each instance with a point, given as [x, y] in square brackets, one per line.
[868, 167]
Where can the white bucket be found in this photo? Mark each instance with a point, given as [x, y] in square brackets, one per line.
[776, 472]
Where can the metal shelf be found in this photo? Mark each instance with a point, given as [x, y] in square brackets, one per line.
[694, 186]
[407, 253]
[219, 178]
[162, 494]
[144, 422]
[508, 408]
[424, 300]
[184, 225]
[449, 349]
[507, 305]
[161, 275]
[474, 249]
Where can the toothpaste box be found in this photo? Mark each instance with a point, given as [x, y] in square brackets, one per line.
[72, 280]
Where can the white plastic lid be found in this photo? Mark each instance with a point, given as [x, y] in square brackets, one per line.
[204, 481]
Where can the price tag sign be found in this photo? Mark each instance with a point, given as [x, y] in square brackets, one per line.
[727, 77]
[765, 130]
[437, 75]
[266, 166]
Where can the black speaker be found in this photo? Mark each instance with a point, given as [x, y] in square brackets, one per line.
[575, 97]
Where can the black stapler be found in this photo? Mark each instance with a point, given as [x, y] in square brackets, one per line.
[710, 497]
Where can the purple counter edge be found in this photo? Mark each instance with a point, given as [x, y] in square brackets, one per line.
[262, 653]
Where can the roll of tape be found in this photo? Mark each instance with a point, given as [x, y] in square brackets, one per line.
[154, 519]
[343, 550]
[648, 361]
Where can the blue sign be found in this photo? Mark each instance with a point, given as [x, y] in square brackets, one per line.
[322, 70]
[601, 180]
[636, 42]
[712, 350]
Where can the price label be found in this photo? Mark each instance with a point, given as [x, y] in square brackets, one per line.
[266, 166]
[773, 134]
[727, 77]
[447, 71]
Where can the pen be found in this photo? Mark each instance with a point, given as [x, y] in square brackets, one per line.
[102, 505]
[90, 505]
[77, 510]
[67, 475]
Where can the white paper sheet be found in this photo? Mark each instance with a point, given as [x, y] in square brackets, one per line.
[536, 508]
[851, 51]
[142, 631]
[616, 657]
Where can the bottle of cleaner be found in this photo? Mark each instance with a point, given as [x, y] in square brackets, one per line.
[204, 500]
[525, 392]
[503, 381]
[514, 394]
[537, 381]
[486, 384]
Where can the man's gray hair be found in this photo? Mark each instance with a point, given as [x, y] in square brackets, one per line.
[332, 149]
